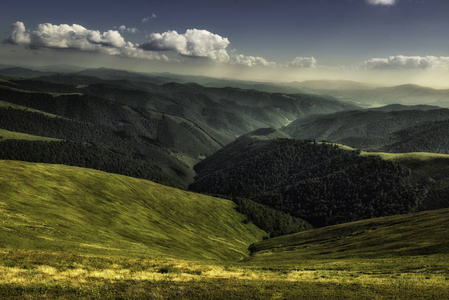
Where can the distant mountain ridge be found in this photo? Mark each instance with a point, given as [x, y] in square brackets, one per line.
[378, 129]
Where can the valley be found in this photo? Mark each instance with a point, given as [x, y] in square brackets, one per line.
[163, 186]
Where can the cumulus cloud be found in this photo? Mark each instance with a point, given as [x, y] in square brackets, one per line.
[193, 43]
[408, 62]
[198, 43]
[250, 61]
[303, 62]
[146, 19]
[381, 2]
[123, 28]
[19, 34]
[76, 37]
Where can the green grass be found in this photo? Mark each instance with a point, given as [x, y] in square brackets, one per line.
[62, 208]
[11, 135]
[418, 234]
[16, 106]
[73, 233]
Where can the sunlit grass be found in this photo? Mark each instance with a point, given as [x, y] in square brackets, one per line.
[62, 208]
[63, 275]
[74, 233]
[11, 135]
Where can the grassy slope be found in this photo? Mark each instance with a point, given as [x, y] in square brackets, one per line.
[61, 208]
[16, 106]
[397, 257]
[71, 233]
[423, 233]
[11, 135]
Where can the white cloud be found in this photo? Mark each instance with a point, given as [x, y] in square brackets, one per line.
[303, 62]
[381, 2]
[123, 28]
[193, 43]
[250, 61]
[198, 43]
[408, 62]
[76, 37]
[19, 34]
[146, 19]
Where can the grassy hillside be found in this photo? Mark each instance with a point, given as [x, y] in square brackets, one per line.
[11, 135]
[397, 257]
[61, 208]
[417, 234]
[94, 235]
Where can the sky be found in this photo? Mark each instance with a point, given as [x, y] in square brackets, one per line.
[383, 42]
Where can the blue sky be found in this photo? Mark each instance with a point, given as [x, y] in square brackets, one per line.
[302, 37]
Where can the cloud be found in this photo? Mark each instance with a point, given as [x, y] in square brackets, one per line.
[123, 28]
[193, 43]
[76, 37]
[399, 62]
[250, 61]
[198, 43]
[19, 35]
[303, 62]
[381, 2]
[146, 19]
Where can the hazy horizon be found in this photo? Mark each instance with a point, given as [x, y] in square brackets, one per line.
[381, 42]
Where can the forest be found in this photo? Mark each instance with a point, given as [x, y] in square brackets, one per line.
[317, 182]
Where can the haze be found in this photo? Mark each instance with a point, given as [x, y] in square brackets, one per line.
[381, 42]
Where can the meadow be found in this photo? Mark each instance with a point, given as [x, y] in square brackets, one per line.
[71, 233]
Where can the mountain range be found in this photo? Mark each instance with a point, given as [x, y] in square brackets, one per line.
[125, 184]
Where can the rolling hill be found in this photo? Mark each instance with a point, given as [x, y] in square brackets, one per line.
[142, 129]
[319, 183]
[394, 128]
[411, 235]
[69, 232]
[70, 209]
[371, 96]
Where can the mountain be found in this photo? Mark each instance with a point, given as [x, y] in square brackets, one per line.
[407, 94]
[112, 74]
[319, 183]
[104, 135]
[160, 131]
[379, 129]
[61, 68]
[86, 211]
[426, 137]
[17, 71]
[223, 112]
[331, 85]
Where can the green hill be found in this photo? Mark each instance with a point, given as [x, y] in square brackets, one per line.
[11, 135]
[319, 183]
[62, 208]
[71, 233]
[412, 235]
